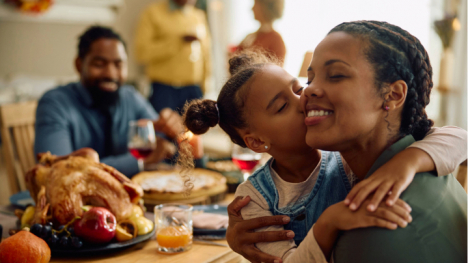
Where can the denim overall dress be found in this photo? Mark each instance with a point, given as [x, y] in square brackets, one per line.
[331, 187]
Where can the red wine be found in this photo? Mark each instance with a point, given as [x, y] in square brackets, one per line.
[140, 153]
[245, 161]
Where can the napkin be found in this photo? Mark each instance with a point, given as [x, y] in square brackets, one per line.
[210, 221]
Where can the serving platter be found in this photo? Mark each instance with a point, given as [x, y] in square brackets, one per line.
[91, 249]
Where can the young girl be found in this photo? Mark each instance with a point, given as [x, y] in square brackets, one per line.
[259, 108]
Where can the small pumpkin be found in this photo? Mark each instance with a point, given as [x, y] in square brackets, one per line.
[24, 247]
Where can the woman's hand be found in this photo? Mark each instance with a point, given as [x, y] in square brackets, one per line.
[338, 218]
[391, 179]
[241, 235]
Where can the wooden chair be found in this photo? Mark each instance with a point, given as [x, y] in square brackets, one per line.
[17, 130]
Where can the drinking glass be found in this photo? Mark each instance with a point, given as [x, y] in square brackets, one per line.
[141, 140]
[245, 159]
[174, 227]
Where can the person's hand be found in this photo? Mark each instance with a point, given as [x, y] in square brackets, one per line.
[384, 216]
[164, 149]
[169, 122]
[391, 179]
[241, 235]
[339, 217]
[189, 38]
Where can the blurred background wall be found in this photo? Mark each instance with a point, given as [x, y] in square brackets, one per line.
[36, 54]
[37, 51]
[48, 47]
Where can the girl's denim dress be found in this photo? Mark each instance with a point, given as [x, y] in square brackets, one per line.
[331, 187]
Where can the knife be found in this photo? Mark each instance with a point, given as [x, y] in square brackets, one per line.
[209, 242]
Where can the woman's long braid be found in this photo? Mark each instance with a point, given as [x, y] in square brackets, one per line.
[396, 54]
[418, 124]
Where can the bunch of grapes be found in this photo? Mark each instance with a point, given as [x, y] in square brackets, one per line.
[63, 236]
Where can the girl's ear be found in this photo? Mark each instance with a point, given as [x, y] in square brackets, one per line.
[256, 144]
[396, 96]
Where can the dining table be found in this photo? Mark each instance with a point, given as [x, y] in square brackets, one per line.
[201, 251]
[147, 252]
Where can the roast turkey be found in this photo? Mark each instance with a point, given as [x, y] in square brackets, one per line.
[76, 180]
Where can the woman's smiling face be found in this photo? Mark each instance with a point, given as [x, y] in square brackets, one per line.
[273, 109]
[341, 102]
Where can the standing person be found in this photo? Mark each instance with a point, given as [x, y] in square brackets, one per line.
[95, 112]
[173, 42]
[266, 38]
[259, 108]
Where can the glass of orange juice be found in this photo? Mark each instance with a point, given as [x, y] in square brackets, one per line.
[174, 228]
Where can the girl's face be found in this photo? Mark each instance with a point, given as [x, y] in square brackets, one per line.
[341, 103]
[273, 110]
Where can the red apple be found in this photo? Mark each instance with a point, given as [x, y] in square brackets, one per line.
[96, 226]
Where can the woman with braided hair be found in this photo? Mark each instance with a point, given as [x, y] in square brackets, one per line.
[259, 108]
[373, 81]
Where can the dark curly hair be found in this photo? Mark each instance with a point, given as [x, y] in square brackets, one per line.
[395, 55]
[93, 34]
[228, 110]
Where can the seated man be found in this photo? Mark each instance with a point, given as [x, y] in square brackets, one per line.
[96, 111]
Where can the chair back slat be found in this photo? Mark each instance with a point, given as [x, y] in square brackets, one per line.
[9, 158]
[17, 131]
[20, 148]
[31, 134]
[29, 145]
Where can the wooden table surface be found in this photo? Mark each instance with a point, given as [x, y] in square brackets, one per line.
[147, 252]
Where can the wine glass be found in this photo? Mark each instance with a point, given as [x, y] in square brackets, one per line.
[245, 159]
[141, 140]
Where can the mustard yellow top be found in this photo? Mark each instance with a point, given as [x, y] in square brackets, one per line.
[161, 48]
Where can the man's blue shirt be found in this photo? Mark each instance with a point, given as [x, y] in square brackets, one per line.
[67, 120]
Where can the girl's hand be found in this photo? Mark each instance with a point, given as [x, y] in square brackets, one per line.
[338, 217]
[241, 235]
[386, 180]
[383, 216]
[391, 179]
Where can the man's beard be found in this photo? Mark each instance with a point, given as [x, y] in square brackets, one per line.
[103, 99]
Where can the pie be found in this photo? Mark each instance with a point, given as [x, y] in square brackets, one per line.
[169, 185]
